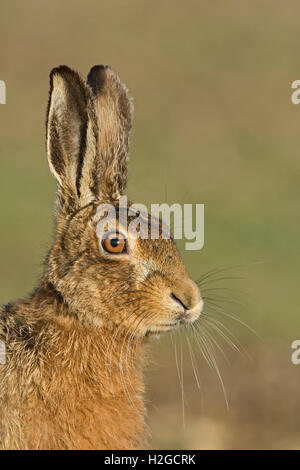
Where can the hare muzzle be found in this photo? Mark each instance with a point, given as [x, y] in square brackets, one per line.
[186, 296]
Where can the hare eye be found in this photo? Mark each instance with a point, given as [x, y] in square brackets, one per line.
[114, 243]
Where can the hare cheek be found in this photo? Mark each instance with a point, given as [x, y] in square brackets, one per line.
[144, 269]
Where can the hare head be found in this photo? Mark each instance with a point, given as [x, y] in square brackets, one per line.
[106, 277]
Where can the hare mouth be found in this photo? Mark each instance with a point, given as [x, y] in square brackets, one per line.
[170, 325]
[162, 328]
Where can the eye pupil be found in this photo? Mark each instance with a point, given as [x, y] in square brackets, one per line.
[114, 242]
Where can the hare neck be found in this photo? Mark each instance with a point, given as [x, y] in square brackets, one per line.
[105, 406]
[109, 356]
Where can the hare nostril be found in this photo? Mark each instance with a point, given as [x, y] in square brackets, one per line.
[174, 297]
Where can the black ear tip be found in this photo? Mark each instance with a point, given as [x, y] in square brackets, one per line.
[96, 78]
[65, 72]
[61, 70]
[97, 68]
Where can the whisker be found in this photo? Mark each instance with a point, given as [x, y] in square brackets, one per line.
[222, 269]
[207, 350]
[180, 377]
[217, 309]
[194, 363]
[218, 279]
[200, 344]
[227, 268]
[221, 299]
[210, 348]
[214, 341]
[183, 395]
[235, 345]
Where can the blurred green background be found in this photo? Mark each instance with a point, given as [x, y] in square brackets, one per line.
[214, 124]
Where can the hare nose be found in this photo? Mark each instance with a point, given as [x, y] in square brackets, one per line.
[187, 294]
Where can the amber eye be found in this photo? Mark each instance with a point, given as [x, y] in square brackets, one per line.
[114, 242]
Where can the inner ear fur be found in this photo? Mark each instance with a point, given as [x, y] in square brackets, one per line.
[70, 134]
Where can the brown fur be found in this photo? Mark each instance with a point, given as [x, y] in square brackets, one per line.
[73, 374]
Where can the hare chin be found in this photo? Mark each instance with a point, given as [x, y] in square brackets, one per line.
[161, 329]
[166, 327]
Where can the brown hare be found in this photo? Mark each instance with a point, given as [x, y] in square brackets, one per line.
[73, 375]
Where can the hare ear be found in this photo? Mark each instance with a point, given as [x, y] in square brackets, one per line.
[70, 135]
[114, 109]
